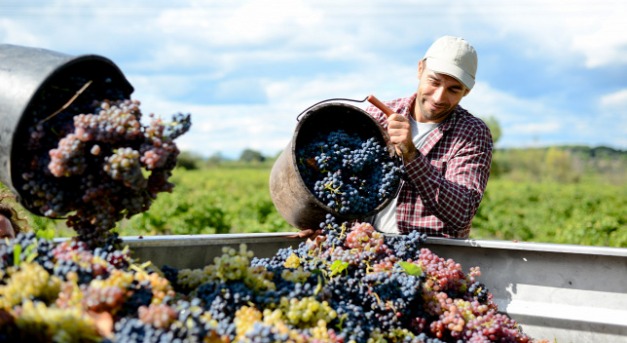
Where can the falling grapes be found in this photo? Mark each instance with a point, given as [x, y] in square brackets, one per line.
[348, 285]
[94, 162]
[349, 174]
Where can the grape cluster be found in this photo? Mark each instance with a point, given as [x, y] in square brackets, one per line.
[350, 174]
[347, 285]
[94, 162]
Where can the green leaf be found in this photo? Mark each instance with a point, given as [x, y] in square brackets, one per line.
[410, 268]
[47, 234]
[17, 253]
[30, 253]
[318, 286]
[337, 267]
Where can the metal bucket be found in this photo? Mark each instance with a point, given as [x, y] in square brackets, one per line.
[25, 72]
[289, 193]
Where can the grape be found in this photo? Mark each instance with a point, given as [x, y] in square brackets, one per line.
[347, 285]
[348, 173]
[93, 162]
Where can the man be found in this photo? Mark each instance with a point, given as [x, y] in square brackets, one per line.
[446, 151]
[9, 220]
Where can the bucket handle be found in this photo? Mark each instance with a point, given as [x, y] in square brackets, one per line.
[327, 100]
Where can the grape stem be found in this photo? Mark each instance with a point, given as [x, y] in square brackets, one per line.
[68, 103]
[329, 186]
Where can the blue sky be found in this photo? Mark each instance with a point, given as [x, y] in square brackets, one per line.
[551, 72]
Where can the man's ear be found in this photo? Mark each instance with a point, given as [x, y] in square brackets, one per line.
[421, 68]
[466, 91]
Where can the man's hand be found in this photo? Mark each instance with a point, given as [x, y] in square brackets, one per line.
[307, 233]
[399, 130]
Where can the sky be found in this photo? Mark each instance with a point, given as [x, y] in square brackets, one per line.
[550, 71]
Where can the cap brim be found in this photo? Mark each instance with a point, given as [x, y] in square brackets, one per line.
[452, 70]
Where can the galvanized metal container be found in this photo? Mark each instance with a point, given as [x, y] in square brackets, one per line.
[24, 73]
[563, 293]
[290, 195]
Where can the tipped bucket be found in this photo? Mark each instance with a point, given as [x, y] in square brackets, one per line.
[34, 83]
[290, 195]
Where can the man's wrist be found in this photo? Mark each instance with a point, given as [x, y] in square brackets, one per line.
[410, 155]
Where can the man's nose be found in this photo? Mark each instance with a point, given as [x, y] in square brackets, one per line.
[438, 95]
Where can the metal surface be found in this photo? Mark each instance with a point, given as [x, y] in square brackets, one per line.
[24, 72]
[290, 195]
[565, 293]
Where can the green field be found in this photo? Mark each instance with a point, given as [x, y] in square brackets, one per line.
[573, 195]
[237, 200]
[587, 213]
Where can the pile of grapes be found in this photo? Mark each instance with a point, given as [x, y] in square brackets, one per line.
[93, 161]
[350, 284]
[349, 174]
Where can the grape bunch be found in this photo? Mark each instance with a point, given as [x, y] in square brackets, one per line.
[350, 174]
[348, 285]
[95, 162]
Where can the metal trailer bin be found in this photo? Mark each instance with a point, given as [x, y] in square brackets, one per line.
[563, 293]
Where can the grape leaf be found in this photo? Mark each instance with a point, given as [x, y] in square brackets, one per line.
[337, 267]
[17, 254]
[410, 268]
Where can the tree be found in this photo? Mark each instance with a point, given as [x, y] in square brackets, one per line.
[495, 128]
[216, 159]
[249, 155]
[188, 160]
[559, 165]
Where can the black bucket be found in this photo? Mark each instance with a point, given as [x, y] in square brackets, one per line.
[25, 72]
[290, 195]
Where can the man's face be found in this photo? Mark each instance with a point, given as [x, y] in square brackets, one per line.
[438, 94]
[6, 229]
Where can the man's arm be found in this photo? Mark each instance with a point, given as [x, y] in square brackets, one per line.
[455, 196]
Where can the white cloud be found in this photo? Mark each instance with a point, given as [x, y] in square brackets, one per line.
[234, 24]
[524, 120]
[564, 29]
[175, 53]
[537, 128]
[615, 101]
[613, 112]
[606, 43]
[12, 31]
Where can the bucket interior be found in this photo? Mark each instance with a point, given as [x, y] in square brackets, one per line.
[59, 89]
[329, 117]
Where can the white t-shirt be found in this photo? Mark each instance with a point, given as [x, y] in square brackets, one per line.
[385, 220]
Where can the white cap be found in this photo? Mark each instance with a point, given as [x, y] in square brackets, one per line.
[455, 57]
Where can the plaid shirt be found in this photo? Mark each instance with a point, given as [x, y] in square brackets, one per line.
[447, 179]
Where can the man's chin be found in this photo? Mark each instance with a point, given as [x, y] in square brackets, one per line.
[437, 116]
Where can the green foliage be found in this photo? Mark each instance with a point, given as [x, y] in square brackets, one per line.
[189, 161]
[560, 164]
[571, 195]
[585, 213]
[249, 155]
[495, 128]
[38, 223]
[212, 200]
